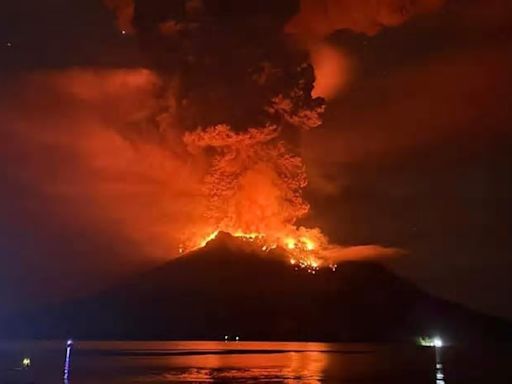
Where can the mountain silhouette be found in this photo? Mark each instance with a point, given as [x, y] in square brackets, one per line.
[226, 288]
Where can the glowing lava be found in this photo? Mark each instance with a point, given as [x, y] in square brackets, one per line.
[302, 251]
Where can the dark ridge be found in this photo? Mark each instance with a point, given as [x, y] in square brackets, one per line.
[227, 289]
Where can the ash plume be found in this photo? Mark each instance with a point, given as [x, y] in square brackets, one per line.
[240, 92]
[241, 81]
[204, 139]
[228, 61]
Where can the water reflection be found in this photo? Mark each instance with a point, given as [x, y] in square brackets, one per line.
[440, 374]
[307, 366]
[439, 365]
[216, 362]
[248, 362]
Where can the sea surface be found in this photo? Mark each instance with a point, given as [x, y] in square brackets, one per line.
[250, 362]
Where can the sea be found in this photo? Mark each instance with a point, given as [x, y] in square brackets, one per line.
[231, 361]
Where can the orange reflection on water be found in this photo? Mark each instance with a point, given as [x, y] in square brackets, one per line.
[247, 362]
[255, 362]
[242, 362]
[307, 367]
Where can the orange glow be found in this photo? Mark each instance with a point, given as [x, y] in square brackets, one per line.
[332, 70]
[290, 243]
[211, 236]
[319, 18]
[146, 190]
[308, 243]
[253, 190]
[300, 250]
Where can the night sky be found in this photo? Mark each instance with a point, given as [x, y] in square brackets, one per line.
[414, 152]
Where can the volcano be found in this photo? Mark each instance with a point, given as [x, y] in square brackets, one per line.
[226, 288]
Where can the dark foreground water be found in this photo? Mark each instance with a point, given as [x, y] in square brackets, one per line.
[250, 362]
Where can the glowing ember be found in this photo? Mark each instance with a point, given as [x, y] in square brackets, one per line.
[211, 236]
[302, 251]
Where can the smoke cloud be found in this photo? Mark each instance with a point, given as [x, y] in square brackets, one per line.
[462, 94]
[242, 80]
[317, 19]
[241, 99]
[79, 149]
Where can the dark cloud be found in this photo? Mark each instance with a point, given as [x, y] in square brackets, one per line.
[225, 60]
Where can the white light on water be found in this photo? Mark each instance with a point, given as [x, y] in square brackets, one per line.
[67, 361]
[26, 362]
[430, 342]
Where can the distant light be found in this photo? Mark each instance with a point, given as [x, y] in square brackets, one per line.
[26, 362]
[430, 342]
[9, 44]
[226, 338]
[237, 338]
[123, 32]
[67, 361]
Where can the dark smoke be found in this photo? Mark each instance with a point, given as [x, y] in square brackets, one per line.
[227, 62]
[231, 61]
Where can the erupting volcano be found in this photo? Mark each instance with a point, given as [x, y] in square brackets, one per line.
[240, 84]
[241, 102]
